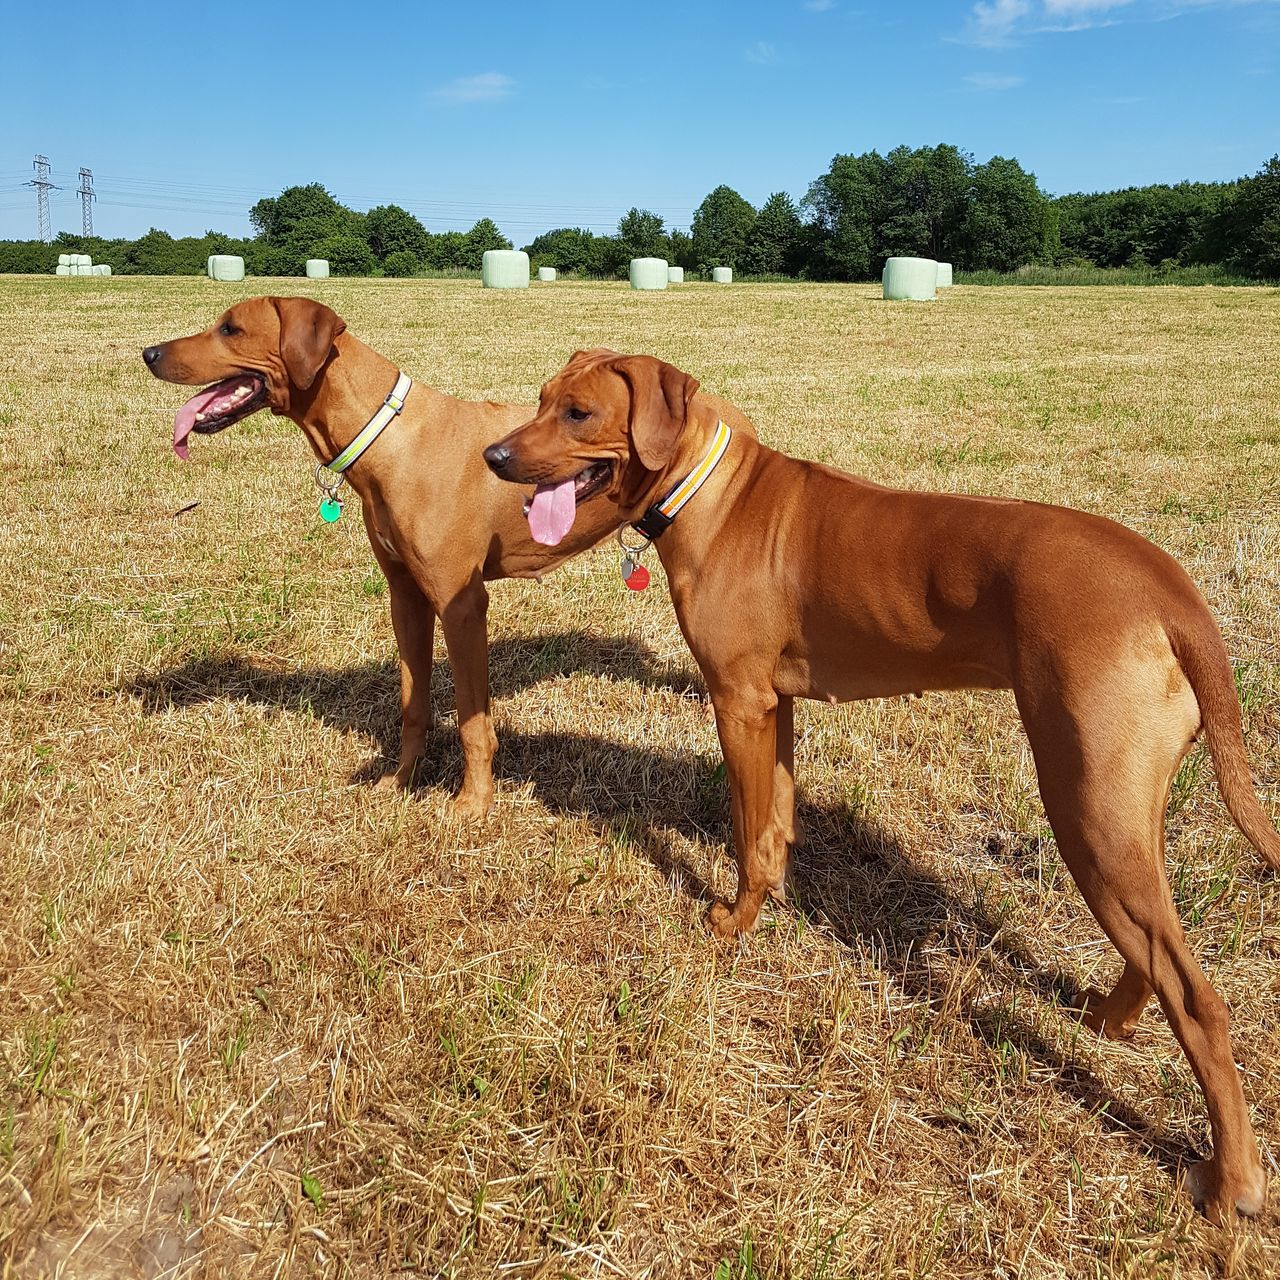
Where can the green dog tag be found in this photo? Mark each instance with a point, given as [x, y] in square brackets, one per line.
[330, 509]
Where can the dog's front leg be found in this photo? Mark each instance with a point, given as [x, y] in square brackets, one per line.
[463, 620]
[414, 622]
[747, 722]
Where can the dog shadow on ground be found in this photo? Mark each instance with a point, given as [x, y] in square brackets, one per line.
[850, 874]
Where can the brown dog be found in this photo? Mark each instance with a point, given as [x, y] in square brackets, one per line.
[439, 524]
[858, 591]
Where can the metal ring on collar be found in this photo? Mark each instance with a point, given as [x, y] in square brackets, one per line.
[637, 551]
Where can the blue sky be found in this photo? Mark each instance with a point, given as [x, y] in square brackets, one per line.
[568, 113]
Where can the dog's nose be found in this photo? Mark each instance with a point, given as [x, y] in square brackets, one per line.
[152, 354]
[497, 456]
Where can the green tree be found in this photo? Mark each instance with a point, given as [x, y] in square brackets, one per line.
[721, 225]
[391, 229]
[401, 264]
[480, 239]
[682, 250]
[774, 244]
[347, 255]
[924, 196]
[447, 251]
[845, 207]
[278, 219]
[566, 249]
[1005, 225]
[642, 235]
[1252, 224]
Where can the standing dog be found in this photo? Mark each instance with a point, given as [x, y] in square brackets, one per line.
[796, 580]
[439, 524]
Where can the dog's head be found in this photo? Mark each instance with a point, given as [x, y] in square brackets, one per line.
[606, 429]
[262, 353]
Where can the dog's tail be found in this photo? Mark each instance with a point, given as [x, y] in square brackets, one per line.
[1202, 654]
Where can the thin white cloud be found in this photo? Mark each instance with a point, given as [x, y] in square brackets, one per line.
[993, 82]
[997, 24]
[1073, 8]
[761, 53]
[488, 86]
[992, 22]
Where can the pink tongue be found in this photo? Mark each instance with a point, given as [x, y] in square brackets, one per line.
[185, 419]
[551, 512]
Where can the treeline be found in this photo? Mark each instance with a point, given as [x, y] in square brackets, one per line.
[934, 202]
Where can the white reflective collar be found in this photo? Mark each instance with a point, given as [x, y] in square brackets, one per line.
[389, 409]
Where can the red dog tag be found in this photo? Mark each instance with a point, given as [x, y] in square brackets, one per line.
[638, 579]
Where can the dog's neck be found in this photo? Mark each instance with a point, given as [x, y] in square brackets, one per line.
[682, 544]
[345, 395]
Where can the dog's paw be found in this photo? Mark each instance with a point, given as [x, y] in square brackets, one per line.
[470, 806]
[403, 778]
[722, 922]
[1219, 1198]
[1091, 1005]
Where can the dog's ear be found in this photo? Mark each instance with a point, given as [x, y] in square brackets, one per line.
[589, 357]
[307, 331]
[660, 399]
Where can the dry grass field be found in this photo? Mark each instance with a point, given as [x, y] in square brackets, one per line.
[259, 1020]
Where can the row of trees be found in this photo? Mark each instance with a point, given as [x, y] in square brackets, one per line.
[935, 202]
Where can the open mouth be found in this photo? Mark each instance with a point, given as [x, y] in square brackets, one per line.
[552, 508]
[218, 406]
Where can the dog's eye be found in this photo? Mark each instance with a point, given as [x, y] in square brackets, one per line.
[228, 330]
[578, 415]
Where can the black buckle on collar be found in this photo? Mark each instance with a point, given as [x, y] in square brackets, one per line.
[653, 523]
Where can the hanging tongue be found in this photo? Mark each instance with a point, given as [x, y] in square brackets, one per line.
[551, 512]
[185, 419]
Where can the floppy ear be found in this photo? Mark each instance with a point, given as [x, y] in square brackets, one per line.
[307, 331]
[660, 399]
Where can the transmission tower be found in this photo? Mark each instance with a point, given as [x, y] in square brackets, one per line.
[43, 186]
[85, 192]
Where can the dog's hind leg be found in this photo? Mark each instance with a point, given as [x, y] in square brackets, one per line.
[784, 790]
[1107, 740]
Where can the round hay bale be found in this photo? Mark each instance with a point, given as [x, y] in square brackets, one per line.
[675, 275]
[722, 275]
[62, 269]
[648, 273]
[944, 275]
[64, 259]
[911, 279]
[317, 268]
[101, 269]
[225, 266]
[504, 269]
[546, 274]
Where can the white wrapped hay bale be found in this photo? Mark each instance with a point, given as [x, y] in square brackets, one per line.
[64, 259]
[225, 266]
[911, 279]
[722, 275]
[504, 269]
[83, 260]
[546, 274]
[101, 269]
[62, 269]
[317, 268]
[944, 275]
[648, 273]
[675, 275]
